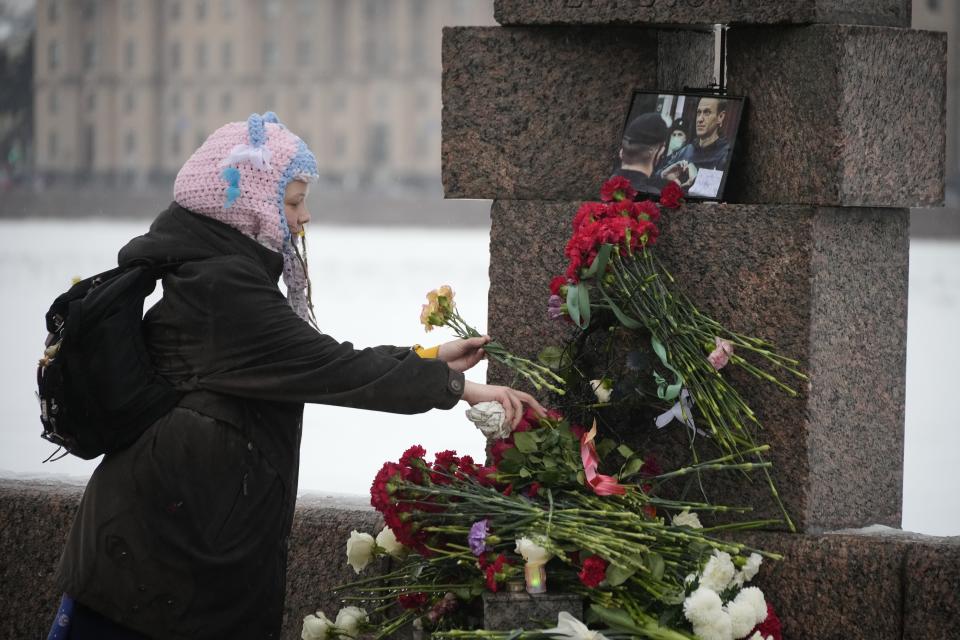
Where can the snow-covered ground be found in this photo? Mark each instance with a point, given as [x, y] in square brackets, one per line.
[373, 282]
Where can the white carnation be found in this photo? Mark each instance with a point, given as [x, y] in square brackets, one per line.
[719, 629]
[360, 550]
[600, 390]
[754, 597]
[387, 540]
[315, 627]
[742, 618]
[349, 620]
[687, 519]
[533, 554]
[752, 567]
[702, 607]
[719, 572]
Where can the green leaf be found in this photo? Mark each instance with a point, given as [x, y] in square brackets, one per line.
[525, 473]
[513, 454]
[583, 300]
[573, 303]
[625, 451]
[600, 262]
[632, 467]
[604, 447]
[624, 319]
[654, 562]
[617, 575]
[616, 618]
[525, 441]
[664, 391]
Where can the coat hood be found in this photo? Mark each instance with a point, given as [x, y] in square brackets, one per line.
[179, 235]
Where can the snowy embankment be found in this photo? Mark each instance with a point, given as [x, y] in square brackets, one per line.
[369, 284]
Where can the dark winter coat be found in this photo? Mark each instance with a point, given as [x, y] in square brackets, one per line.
[184, 534]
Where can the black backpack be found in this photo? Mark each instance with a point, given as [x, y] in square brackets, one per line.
[98, 389]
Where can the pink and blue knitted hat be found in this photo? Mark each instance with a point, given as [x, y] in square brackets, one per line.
[238, 176]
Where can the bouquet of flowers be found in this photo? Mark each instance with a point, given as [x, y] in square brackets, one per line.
[441, 311]
[544, 511]
[612, 268]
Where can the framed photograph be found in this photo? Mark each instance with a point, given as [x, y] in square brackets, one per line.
[687, 138]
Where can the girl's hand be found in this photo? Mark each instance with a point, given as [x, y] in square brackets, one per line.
[460, 355]
[511, 399]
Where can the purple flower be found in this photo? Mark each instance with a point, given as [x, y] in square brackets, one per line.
[478, 537]
[554, 307]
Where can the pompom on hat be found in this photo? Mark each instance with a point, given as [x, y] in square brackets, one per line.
[239, 175]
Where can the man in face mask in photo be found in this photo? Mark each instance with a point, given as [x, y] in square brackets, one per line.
[643, 145]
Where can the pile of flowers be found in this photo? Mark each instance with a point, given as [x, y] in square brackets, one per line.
[612, 273]
[557, 499]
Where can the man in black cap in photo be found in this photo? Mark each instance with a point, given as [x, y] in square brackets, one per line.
[644, 142]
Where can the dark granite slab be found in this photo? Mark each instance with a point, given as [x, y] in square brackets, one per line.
[538, 113]
[508, 611]
[839, 115]
[836, 115]
[827, 286]
[893, 13]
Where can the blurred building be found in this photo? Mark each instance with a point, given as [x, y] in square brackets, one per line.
[125, 90]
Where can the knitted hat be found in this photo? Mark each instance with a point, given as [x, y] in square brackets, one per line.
[239, 175]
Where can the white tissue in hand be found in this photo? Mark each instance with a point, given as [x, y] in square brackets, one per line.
[490, 418]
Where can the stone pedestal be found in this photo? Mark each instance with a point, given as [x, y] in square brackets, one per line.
[508, 611]
[828, 286]
[892, 13]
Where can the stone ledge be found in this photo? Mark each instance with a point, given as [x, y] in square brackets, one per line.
[35, 516]
[892, 13]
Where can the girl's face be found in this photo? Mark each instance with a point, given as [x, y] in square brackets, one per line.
[295, 205]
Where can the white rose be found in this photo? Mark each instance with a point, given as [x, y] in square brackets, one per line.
[349, 620]
[532, 553]
[600, 390]
[687, 519]
[754, 597]
[742, 617]
[387, 540]
[315, 627]
[719, 629]
[752, 566]
[360, 550]
[702, 607]
[719, 572]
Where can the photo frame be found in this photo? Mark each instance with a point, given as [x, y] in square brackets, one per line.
[685, 137]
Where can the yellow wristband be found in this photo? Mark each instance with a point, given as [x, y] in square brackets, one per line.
[426, 352]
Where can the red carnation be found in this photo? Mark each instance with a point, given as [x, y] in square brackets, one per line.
[594, 571]
[533, 489]
[671, 196]
[646, 210]
[650, 467]
[492, 569]
[770, 626]
[413, 600]
[617, 188]
[556, 284]
[498, 448]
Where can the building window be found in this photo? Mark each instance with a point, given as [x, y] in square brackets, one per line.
[130, 54]
[339, 102]
[175, 144]
[175, 56]
[226, 101]
[53, 102]
[175, 101]
[200, 103]
[89, 10]
[130, 9]
[91, 102]
[269, 55]
[227, 9]
[307, 8]
[201, 56]
[271, 8]
[130, 143]
[303, 52]
[226, 55]
[933, 5]
[339, 144]
[89, 54]
[201, 9]
[338, 34]
[53, 145]
[174, 9]
[53, 55]
[53, 11]
[304, 101]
